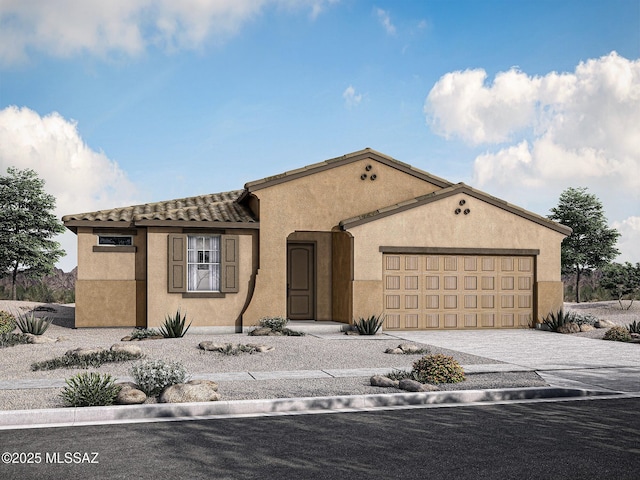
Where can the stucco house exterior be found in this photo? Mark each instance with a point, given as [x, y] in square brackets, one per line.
[358, 235]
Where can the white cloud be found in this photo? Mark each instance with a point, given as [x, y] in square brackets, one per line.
[385, 21]
[351, 98]
[629, 241]
[551, 131]
[81, 179]
[68, 27]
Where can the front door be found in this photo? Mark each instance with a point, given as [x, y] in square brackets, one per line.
[301, 281]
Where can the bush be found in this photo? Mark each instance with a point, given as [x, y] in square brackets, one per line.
[29, 323]
[277, 324]
[93, 360]
[400, 375]
[558, 319]
[153, 376]
[583, 319]
[618, 334]
[369, 326]
[144, 333]
[437, 368]
[634, 327]
[90, 389]
[11, 339]
[7, 322]
[174, 326]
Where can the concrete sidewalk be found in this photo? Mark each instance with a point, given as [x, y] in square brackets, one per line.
[573, 367]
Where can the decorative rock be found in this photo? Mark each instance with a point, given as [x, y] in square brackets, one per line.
[132, 349]
[128, 338]
[62, 339]
[39, 338]
[568, 328]
[211, 346]
[409, 348]
[127, 385]
[261, 332]
[130, 396]
[382, 381]
[192, 391]
[151, 337]
[352, 332]
[260, 348]
[604, 324]
[586, 327]
[395, 351]
[415, 386]
[84, 351]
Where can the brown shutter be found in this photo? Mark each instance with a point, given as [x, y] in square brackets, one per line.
[230, 264]
[177, 275]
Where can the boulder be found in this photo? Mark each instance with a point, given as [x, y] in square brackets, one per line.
[132, 349]
[568, 328]
[415, 386]
[84, 351]
[585, 327]
[260, 348]
[39, 338]
[261, 332]
[128, 338]
[62, 339]
[382, 381]
[192, 391]
[129, 395]
[352, 332]
[395, 351]
[409, 348]
[211, 346]
[601, 323]
[127, 385]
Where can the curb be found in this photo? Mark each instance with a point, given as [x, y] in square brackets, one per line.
[79, 416]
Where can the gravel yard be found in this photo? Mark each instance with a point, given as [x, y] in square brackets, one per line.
[289, 354]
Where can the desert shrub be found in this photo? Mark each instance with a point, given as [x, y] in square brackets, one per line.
[369, 326]
[29, 323]
[235, 349]
[93, 360]
[11, 339]
[400, 375]
[583, 319]
[634, 327]
[277, 324]
[437, 368]
[174, 326]
[7, 322]
[617, 334]
[558, 319]
[144, 333]
[153, 376]
[90, 389]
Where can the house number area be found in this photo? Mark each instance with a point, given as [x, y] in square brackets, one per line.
[66, 458]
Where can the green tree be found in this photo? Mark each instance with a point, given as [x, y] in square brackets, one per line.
[592, 243]
[27, 226]
[620, 280]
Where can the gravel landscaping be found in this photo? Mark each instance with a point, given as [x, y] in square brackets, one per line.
[309, 352]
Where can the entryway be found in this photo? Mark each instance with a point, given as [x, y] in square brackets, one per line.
[301, 280]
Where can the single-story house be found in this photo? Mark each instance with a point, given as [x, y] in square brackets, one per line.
[353, 236]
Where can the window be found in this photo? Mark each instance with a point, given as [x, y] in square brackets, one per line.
[115, 240]
[203, 263]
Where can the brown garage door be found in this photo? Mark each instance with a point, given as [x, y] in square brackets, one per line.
[457, 291]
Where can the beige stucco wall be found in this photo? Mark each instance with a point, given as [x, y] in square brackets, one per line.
[202, 312]
[318, 202]
[436, 225]
[111, 284]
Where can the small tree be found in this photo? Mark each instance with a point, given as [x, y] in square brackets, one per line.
[27, 226]
[620, 280]
[592, 243]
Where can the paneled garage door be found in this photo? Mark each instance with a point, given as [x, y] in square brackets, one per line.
[457, 291]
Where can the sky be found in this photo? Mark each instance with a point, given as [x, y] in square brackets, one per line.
[133, 101]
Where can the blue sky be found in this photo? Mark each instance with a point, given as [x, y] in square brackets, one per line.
[148, 100]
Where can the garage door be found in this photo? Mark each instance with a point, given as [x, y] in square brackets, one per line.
[457, 291]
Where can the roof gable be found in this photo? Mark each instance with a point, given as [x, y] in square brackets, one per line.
[447, 192]
[367, 153]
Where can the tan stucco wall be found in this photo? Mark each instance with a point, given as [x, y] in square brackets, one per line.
[436, 225]
[108, 303]
[202, 312]
[318, 202]
[111, 284]
[549, 298]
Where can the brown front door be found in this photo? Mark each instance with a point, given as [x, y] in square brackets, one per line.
[301, 281]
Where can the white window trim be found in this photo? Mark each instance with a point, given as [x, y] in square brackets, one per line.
[208, 264]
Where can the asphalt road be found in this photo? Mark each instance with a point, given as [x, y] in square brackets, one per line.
[562, 440]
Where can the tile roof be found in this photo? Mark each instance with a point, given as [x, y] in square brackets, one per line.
[216, 207]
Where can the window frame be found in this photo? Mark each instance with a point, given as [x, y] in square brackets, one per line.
[107, 245]
[204, 255]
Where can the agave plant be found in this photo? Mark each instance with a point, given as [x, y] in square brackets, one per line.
[558, 319]
[369, 326]
[634, 327]
[29, 323]
[174, 326]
